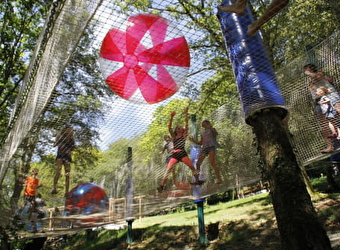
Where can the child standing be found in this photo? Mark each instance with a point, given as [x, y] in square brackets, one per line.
[318, 79]
[327, 109]
[31, 184]
[209, 146]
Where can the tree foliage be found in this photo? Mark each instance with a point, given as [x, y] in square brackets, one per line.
[21, 23]
[74, 102]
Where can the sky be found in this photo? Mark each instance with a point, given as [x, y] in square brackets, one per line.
[125, 119]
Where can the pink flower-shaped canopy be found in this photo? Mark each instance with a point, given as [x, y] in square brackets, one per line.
[146, 60]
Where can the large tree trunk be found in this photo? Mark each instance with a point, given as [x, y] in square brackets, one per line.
[297, 220]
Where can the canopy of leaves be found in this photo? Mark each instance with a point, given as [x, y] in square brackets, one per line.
[20, 25]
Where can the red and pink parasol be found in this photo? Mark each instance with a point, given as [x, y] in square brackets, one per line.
[145, 60]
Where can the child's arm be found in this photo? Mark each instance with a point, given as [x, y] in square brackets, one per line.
[170, 124]
[186, 119]
[325, 101]
[214, 131]
[195, 141]
[57, 141]
[162, 152]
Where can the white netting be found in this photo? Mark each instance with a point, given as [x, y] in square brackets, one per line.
[152, 65]
[68, 26]
[304, 124]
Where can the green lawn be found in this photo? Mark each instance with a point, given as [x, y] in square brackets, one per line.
[229, 211]
[247, 224]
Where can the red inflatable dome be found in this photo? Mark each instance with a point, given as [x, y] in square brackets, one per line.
[86, 198]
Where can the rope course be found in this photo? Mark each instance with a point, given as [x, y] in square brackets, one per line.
[143, 62]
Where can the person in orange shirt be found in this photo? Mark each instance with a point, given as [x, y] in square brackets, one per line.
[31, 184]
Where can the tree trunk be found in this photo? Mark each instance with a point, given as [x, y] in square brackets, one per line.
[296, 217]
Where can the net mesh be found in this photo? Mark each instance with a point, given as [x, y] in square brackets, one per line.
[304, 124]
[144, 57]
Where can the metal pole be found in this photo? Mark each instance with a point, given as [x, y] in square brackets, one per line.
[129, 238]
[202, 237]
[129, 196]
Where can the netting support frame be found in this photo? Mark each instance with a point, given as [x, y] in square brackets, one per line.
[201, 226]
[129, 236]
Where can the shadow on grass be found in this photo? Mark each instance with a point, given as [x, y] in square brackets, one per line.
[257, 232]
[232, 235]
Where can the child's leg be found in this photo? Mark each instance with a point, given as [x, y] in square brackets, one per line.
[333, 129]
[213, 164]
[336, 124]
[200, 160]
[174, 177]
[67, 166]
[169, 168]
[57, 174]
[30, 209]
[186, 160]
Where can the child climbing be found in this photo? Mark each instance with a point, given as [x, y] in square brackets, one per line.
[179, 135]
[328, 110]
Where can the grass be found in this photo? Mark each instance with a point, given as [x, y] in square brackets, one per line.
[247, 224]
[229, 211]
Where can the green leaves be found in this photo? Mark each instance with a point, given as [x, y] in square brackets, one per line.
[20, 24]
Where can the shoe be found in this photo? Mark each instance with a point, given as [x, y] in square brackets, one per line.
[54, 191]
[327, 150]
[332, 135]
[200, 182]
[160, 189]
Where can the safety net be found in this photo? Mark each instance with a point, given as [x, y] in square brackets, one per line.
[116, 72]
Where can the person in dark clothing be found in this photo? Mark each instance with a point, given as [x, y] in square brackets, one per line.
[66, 144]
